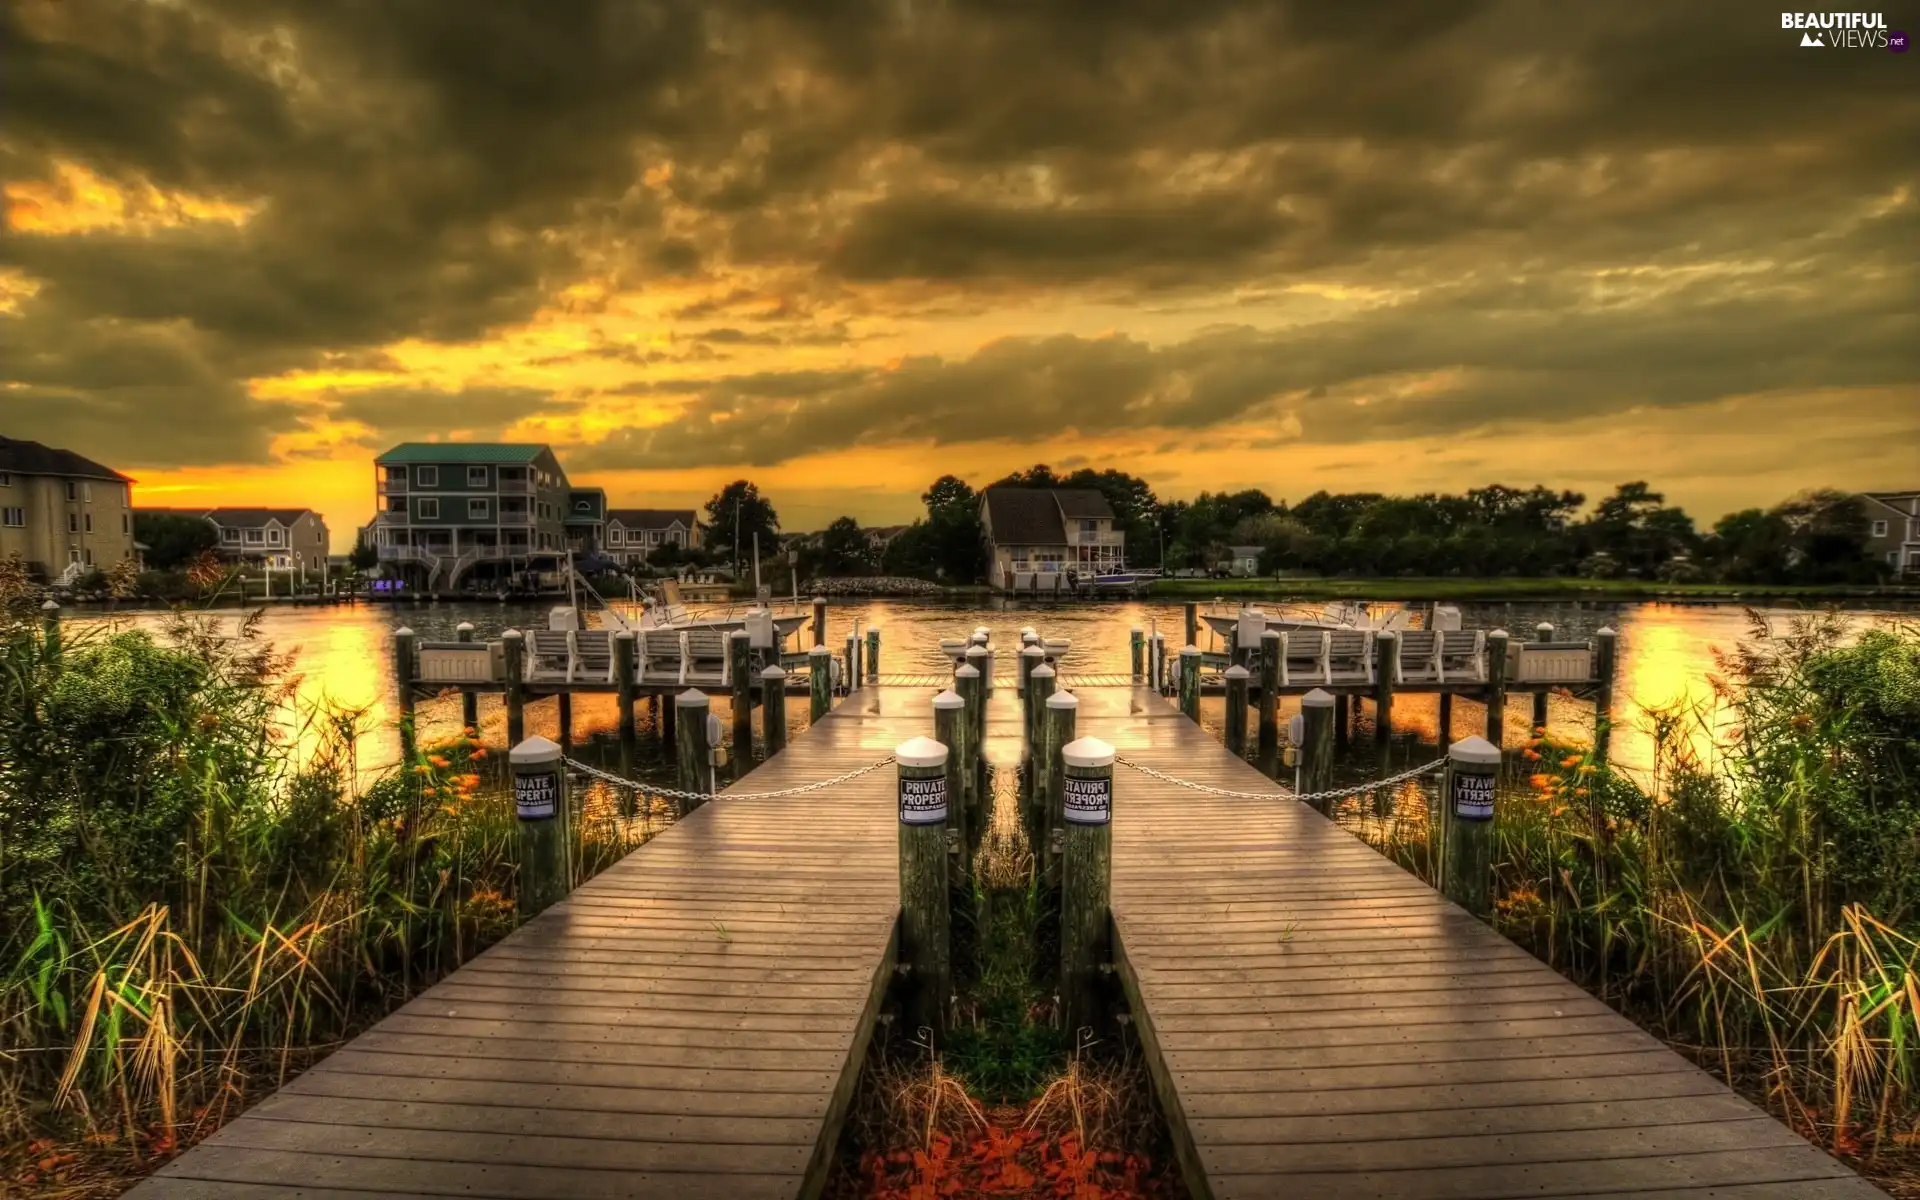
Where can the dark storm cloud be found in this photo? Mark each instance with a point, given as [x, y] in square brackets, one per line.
[435, 169]
[480, 413]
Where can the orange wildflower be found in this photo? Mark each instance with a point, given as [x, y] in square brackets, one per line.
[1541, 782]
[1571, 760]
[440, 761]
[1532, 754]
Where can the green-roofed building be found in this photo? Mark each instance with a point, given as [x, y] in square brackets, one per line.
[453, 512]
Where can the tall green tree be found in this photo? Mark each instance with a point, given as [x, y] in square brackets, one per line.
[845, 549]
[734, 515]
[172, 540]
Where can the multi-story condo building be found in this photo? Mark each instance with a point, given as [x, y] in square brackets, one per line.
[451, 511]
[586, 521]
[63, 515]
[633, 533]
[1893, 529]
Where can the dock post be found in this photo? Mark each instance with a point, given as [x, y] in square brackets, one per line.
[1386, 669]
[1497, 686]
[819, 621]
[1343, 712]
[1193, 623]
[513, 648]
[1446, 716]
[1190, 682]
[669, 735]
[987, 671]
[1136, 645]
[1543, 632]
[1030, 659]
[403, 672]
[820, 681]
[950, 730]
[692, 751]
[740, 670]
[564, 702]
[1237, 709]
[966, 682]
[540, 804]
[1086, 861]
[1605, 649]
[623, 647]
[1316, 752]
[773, 709]
[925, 933]
[873, 654]
[469, 699]
[1031, 656]
[1062, 714]
[1039, 688]
[853, 661]
[50, 626]
[1473, 770]
[981, 661]
[1269, 694]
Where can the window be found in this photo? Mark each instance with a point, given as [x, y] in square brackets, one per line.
[88, 520]
[614, 535]
[256, 536]
[426, 476]
[229, 535]
[383, 536]
[1893, 556]
[73, 490]
[73, 521]
[86, 492]
[87, 555]
[6, 479]
[16, 517]
[476, 477]
[429, 510]
[396, 474]
[273, 537]
[396, 504]
[1879, 529]
[476, 509]
[126, 523]
[73, 556]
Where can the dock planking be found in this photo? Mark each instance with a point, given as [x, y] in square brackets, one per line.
[1320, 1023]
[689, 1023]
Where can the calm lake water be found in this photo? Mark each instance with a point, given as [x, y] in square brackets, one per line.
[344, 659]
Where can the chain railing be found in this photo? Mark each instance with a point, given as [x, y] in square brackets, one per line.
[1285, 793]
[678, 794]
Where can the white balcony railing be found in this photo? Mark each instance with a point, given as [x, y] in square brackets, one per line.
[393, 487]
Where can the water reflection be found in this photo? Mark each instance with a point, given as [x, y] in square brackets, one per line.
[343, 658]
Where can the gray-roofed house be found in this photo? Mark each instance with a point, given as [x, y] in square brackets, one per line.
[633, 533]
[1893, 529]
[1037, 536]
[60, 513]
[454, 511]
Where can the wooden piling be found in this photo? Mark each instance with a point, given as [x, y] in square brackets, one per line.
[740, 671]
[1062, 714]
[469, 699]
[1039, 687]
[773, 709]
[819, 681]
[853, 661]
[1467, 796]
[1236, 676]
[1316, 749]
[1497, 686]
[1344, 709]
[1086, 864]
[513, 647]
[1269, 694]
[925, 923]
[950, 730]
[404, 670]
[540, 806]
[819, 621]
[873, 654]
[1136, 651]
[1446, 717]
[1030, 657]
[1543, 633]
[966, 682]
[563, 703]
[1605, 651]
[1190, 681]
[1193, 623]
[979, 660]
[623, 646]
[50, 626]
[1386, 672]
[692, 752]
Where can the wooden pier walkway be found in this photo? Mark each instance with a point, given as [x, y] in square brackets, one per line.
[1319, 1022]
[1322, 1024]
[689, 1023]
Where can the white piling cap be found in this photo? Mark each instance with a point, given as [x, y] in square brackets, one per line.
[49, 606]
[1474, 752]
[1136, 629]
[738, 633]
[1317, 698]
[1186, 650]
[774, 673]
[1063, 700]
[822, 651]
[1499, 633]
[966, 671]
[1236, 671]
[1033, 650]
[1389, 634]
[920, 752]
[1603, 631]
[623, 635]
[981, 631]
[403, 631]
[512, 633]
[535, 749]
[691, 698]
[1270, 633]
[976, 651]
[874, 628]
[462, 627]
[1027, 629]
[1043, 671]
[1087, 752]
[949, 699]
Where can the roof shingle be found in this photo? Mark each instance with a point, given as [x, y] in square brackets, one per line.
[32, 458]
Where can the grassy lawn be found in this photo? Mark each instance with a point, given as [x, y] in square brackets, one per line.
[1510, 589]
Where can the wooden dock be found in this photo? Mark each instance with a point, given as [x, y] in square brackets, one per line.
[689, 1023]
[1323, 1024]
[1319, 1023]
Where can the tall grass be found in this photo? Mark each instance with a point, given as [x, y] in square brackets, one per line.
[1757, 898]
[189, 911]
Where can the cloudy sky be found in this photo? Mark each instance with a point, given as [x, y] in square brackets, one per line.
[845, 247]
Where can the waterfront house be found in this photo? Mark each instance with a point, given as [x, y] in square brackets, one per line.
[453, 512]
[61, 514]
[633, 533]
[1243, 562]
[1893, 529]
[1048, 532]
[281, 539]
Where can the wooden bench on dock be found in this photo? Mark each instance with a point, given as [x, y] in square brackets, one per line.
[1326, 657]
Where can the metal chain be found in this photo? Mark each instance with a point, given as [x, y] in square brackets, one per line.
[1284, 794]
[677, 794]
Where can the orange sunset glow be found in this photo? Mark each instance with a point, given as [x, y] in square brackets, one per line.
[1231, 246]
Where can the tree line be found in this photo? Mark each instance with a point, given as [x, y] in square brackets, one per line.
[1814, 537]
